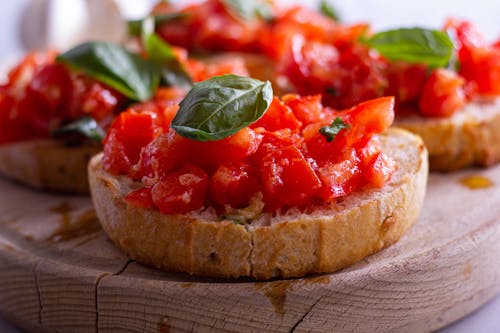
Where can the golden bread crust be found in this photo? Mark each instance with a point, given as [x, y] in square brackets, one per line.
[48, 164]
[289, 245]
[470, 137]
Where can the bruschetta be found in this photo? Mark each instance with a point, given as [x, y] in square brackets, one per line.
[446, 88]
[56, 108]
[235, 183]
[41, 100]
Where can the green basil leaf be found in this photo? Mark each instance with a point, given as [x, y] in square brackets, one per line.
[250, 9]
[135, 26]
[414, 45]
[328, 10]
[221, 106]
[330, 132]
[85, 126]
[161, 53]
[175, 75]
[116, 67]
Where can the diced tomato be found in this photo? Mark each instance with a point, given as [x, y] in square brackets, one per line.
[278, 116]
[140, 198]
[343, 76]
[166, 153]
[443, 94]
[339, 178]
[368, 118]
[170, 151]
[362, 77]
[311, 66]
[369, 152]
[20, 76]
[316, 144]
[364, 120]
[287, 178]
[115, 159]
[275, 140]
[45, 98]
[466, 34]
[168, 112]
[10, 130]
[163, 155]
[307, 109]
[130, 132]
[482, 67]
[51, 87]
[203, 70]
[406, 81]
[479, 62]
[170, 95]
[234, 148]
[308, 22]
[234, 184]
[97, 101]
[135, 131]
[312, 25]
[181, 191]
[209, 26]
[34, 117]
[379, 171]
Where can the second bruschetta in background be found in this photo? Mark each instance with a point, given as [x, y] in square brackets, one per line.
[55, 109]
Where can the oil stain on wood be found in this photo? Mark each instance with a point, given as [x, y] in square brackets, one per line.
[476, 182]
[276, 291]
[72, 227]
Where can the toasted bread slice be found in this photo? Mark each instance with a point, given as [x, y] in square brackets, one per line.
[48, 164]
[320, 239]
[471, 137]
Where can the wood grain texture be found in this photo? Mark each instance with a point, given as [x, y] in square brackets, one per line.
[59, 272]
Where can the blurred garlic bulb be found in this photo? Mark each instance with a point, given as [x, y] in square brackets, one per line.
[61, 24]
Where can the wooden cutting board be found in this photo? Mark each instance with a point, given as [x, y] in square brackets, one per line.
[59, 272]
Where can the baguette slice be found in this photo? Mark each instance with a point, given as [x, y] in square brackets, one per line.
[471, 137]
[320, 239]
[48, 164]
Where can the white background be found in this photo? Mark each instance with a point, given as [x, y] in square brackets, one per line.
[382, 14]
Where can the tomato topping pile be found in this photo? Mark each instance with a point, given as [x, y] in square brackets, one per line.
[313, 54]
[41, 95]
[283, 157]
[209, 26]
[479, 61]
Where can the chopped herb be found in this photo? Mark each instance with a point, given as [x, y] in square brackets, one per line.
[330, 132]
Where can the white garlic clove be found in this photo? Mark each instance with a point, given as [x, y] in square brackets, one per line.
[106, 21]
[62, 24]
[54, 23]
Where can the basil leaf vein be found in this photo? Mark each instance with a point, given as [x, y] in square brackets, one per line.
[331, 131]
[413, 45]
[221, 106]
[116, 67]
